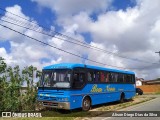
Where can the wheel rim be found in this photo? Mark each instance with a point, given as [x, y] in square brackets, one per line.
[86, 104]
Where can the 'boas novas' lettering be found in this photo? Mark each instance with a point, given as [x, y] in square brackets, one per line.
[96, 89]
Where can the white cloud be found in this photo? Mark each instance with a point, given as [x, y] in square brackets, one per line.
[133, 33]
[24, 51]
[4, 54]
[10, 34]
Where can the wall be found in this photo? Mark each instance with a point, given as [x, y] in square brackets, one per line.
[150, 88]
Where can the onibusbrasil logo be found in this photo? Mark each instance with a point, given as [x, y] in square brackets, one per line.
[23, 114]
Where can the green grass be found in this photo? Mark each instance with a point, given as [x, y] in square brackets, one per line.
[157, 93]
[78, 114]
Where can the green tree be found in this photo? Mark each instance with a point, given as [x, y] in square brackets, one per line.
[11, 95]
[11, 81]
[3, 82]
[29, 73]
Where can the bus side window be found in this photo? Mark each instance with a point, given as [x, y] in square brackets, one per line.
[120, 78]
[90, 76]
[124, 78]
[78, 79]
[75, 77]
[111, 77]
[96, 76]
[107, 77]
[102, 76]
[128, 78]
[133, 79]
[81, 77]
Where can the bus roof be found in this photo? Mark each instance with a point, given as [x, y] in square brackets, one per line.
[73, 65]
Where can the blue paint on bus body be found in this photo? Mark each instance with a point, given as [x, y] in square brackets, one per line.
[73, 65]
[99, 93]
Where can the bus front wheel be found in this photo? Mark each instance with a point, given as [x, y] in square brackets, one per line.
[86, 105]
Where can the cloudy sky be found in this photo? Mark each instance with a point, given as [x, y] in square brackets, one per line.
[123, 34]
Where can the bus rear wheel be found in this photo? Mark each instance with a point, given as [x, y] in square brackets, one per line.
[86, 104]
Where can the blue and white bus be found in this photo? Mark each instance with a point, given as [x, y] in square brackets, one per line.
[69, 86]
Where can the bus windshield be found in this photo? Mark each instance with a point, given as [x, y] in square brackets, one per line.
[56, 78]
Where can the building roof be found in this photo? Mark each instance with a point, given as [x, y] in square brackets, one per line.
[152, 81]
[73, 65]
[139, 79]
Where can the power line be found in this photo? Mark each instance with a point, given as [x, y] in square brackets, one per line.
[58, 33]
[45, 33]
[57, 47]
[65, 50]
[62, 35]
[85, 58]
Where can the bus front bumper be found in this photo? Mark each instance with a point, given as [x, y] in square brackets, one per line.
[59, 105]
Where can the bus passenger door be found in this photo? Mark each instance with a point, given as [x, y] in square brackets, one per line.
[78, 78]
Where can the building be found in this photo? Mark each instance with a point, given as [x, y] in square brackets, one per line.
[151, 82]
[139, 81]
[150, 86]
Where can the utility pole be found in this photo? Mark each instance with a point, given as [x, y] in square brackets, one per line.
[159, 54]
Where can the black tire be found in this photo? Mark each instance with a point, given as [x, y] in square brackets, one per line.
[122, 98]
[86, 104]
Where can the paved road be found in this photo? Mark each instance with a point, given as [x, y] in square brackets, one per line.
[152, 105]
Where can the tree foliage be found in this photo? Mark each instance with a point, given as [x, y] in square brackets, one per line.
[12, 80]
